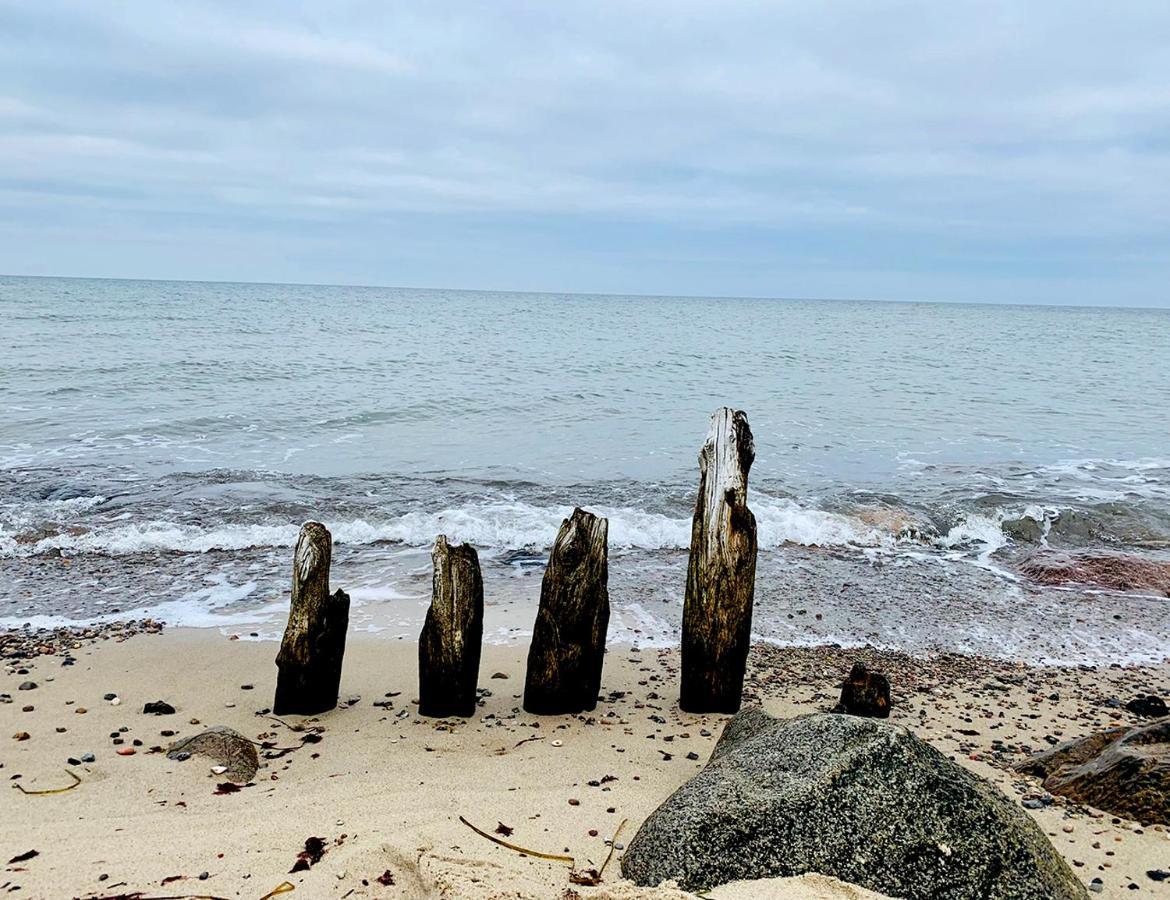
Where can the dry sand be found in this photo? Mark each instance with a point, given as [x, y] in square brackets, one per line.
[385, 789]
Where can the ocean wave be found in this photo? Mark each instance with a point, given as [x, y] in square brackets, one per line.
[495, 525]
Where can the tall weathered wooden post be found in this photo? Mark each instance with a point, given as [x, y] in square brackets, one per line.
[721, 574]
[311, 652]
[451, 639]
[568, 640]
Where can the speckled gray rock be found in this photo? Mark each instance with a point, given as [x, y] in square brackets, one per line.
[859, 799]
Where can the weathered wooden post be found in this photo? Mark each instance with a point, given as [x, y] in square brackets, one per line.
[450, 643]
[721, 575]
[568, 640]
[311, 653]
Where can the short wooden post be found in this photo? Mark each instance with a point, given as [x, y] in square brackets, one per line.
[451, 639]
[568, 640]
[313, 647]
[721, 574]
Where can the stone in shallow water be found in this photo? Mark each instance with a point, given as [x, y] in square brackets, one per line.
[1121, 771]
[855, 798]
[226, 746]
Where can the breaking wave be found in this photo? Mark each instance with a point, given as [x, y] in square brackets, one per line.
[511, 525]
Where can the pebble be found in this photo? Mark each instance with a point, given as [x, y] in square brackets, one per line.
[558, 743]
[88, 757]
[109, 697]
[117, 701]
[27, 686]
[21, 736]
[126, 751]
[218, 770]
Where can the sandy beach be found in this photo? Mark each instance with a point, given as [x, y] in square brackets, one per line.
[385, 789]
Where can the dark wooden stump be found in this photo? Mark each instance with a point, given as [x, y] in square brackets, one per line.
[311, 653]
[450, 643]
[864, 693]
[721, 575]
[568, 640]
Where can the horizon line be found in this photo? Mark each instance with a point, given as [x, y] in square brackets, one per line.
[644, 296]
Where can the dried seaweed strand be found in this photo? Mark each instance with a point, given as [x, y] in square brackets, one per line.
[283, 888]
[76, 782]
[613, 841]
[138, 895]
[495, 840]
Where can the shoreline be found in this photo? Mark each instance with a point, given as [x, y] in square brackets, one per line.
[396, 784]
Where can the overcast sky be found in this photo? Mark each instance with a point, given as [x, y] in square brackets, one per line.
[991, 151]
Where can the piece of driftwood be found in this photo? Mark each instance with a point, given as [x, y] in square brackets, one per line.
[568, 639]
[311, 653]
[451, 639]
[721, 574]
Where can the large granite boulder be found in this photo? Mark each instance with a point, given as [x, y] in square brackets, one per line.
[1124, 771]
[855, 798]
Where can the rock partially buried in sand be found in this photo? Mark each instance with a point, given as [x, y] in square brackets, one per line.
[227, 747]
[861, 800]
[865, 693]
[1121, 771]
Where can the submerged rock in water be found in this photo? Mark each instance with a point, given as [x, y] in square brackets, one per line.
[1121, 771]
[865, 693]
[226, 746]
[1109, 570]
[863, 801]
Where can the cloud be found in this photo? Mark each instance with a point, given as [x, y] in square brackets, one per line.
[977, 144]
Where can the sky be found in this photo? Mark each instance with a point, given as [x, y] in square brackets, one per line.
[991, 151]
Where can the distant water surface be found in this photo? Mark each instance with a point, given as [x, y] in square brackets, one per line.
[162, 441]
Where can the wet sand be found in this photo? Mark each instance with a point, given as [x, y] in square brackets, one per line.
[385, 789]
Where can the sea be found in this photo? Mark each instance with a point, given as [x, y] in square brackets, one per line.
[162, 442]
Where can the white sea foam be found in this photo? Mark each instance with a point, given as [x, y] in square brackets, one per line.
[495, 525]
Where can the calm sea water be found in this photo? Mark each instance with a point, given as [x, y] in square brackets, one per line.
[161, 442]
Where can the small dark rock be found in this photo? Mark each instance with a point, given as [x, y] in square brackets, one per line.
[1148, 707]
[27, 686]
[158, 708]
